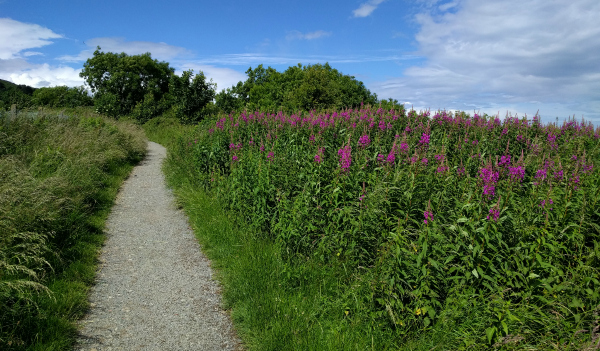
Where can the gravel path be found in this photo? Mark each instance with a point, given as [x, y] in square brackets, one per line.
[154, 288]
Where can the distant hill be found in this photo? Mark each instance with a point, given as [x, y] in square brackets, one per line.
[14, 94]
[6, 85]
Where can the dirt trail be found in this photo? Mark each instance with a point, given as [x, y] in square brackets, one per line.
[154, 289]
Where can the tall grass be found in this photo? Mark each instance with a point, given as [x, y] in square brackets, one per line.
[59, 174]
[449, 231]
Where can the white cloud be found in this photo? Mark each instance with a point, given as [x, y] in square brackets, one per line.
[43, 75]
[447, 6]
[160, 51]
[365, 9]
[307, 36]
[32, 53]
[224, 77]
[511, 54]
[9, 66]
[17, 36]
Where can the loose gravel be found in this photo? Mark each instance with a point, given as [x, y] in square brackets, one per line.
[154, 288]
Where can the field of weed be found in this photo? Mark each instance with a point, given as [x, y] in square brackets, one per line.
[59, 175]
[392, 229]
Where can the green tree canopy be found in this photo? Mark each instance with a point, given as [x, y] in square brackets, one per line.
[299, 87]
[120, 82]
[191, 95]
[62, 96]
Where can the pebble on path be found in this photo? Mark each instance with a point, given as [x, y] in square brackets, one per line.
[154, 288]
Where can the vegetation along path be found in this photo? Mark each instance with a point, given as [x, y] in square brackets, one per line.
[154, 290]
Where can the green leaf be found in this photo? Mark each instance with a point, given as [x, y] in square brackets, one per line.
[489, 332]
[576, 303]
[475, 273]
[504, 327]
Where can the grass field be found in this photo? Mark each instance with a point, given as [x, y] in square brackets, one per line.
[59, 174]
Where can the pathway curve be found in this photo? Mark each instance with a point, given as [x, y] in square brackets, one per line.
[154, 289]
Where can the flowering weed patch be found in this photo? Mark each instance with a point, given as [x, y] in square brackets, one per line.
[441, 210]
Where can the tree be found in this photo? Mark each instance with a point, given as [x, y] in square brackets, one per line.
[191, 95]
[62, 96]
[120, 82]
[299, 87]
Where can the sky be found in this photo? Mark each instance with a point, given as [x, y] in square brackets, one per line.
[513, 57]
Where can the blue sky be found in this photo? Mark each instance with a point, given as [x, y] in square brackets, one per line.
[515, 56]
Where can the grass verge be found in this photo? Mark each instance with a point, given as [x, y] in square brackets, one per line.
[59, 175]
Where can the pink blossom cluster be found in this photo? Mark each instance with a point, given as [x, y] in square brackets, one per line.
[345, 155]
[364, 141]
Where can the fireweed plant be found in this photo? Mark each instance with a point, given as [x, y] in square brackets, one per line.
[442, 209]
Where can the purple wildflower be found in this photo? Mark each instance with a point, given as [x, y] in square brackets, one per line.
[541, 174]
[234, 158]
[271, 156]
[424, 139]
[428, 216]
[488, 176]
[364, 141]
[558, 175]
[516, 173]
[345, 154]
[489, 190]
[404, 147]
[504, 160]
[575, 181]
[552, 141]
[489, 179]
[495, 213]
[391, 158]
[543, 203]
[318, 156]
